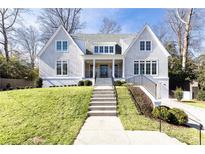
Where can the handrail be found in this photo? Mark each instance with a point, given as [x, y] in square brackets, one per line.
[146, 82]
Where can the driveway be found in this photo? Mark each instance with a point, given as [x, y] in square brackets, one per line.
[109, 131]
[193, 112]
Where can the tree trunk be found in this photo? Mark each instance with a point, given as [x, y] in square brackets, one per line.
[186, 39]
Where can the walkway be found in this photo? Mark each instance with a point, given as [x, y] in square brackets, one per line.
[193, 112]
[109, 130]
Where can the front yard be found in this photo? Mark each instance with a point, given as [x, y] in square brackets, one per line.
[196, 103]
[132, 120]
[43, 116]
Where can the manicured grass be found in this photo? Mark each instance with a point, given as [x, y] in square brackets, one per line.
[43, 116]
[132, 120]
[196, 103]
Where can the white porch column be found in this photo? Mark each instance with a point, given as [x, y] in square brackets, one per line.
[113, 68]
[93, 68]
[123, 68]
[83, 69]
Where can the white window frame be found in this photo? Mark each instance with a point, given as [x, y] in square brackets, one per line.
[61, 51]
[145, 46]
[104, 49]
[145, 61]
[61, 68]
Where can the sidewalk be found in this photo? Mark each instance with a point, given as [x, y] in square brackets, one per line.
[109, 131]
[193, 112]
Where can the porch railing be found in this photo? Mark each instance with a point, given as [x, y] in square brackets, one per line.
[149, 84]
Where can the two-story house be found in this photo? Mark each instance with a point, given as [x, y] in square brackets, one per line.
[67, 59]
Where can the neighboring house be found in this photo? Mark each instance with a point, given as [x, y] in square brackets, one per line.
[66, 58]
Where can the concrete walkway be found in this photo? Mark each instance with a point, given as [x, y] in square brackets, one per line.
[109, 130]
[193, 112]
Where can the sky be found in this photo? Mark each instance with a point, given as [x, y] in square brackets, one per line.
[131, 20]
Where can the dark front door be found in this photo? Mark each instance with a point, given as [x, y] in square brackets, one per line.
[103, 71]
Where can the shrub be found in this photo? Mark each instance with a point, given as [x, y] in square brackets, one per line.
[164, 113]
[119, 83]
[81, 83]
[39, 83]
[201, 95]
[87, 83]
[178, 94]
[177, 117]
[142, 101]
[8, 85]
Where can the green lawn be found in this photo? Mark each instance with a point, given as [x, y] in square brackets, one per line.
[43, 116]
[131, 120]
[196, 103]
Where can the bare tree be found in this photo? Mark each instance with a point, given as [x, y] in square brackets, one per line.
[109, 26]
[29, 40]
[8, 18]
[187, 23]
[187, 27]
[52, 18]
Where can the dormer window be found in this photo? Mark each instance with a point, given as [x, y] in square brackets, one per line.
[62, 46]
[104, 49]
[145, 46]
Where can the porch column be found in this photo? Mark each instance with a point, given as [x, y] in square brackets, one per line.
[113, 68]
[93, 68]
[83, 69]
[123, 68]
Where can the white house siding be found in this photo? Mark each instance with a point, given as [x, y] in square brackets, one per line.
[134, 54]
[47, 61]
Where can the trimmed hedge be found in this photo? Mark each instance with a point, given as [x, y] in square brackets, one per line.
[141, 100]
[119, 83]
[85, 83]
[173, 116]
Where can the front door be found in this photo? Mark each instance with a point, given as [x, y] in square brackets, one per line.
[103, 71]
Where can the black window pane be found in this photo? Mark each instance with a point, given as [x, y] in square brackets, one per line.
[142, 67]
[148, 67]
[96, 49]
[111, 49]
[65, 68]
[101, 49]
[142, 45]
[136, 67]
[65, 45]
[148, 45]
[154, 67]
[106, 49]
[58, 45]
[58, 67]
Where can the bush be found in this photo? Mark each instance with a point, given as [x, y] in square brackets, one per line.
[81, 83]
[164, 113]
[119, 83]
[141, 100]
[201, 95]
[39, 83]
[177, 117]
[178, 94]
[87, 83]
[173, 116]
[8, 85]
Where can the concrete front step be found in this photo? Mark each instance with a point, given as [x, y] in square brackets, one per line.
[102, 113]
[103, 95]
[103, 107]
[103, 99]
[102, 103]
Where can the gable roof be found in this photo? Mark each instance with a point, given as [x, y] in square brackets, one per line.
[53, 36]
[146, 27]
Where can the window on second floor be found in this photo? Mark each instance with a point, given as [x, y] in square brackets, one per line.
[104, 49]
[145, 46]
[62, 46]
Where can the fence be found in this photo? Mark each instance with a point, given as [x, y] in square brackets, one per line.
[15, 83]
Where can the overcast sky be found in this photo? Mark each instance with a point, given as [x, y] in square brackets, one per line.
[131, 20]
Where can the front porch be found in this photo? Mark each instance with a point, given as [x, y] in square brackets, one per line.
[101, 68]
